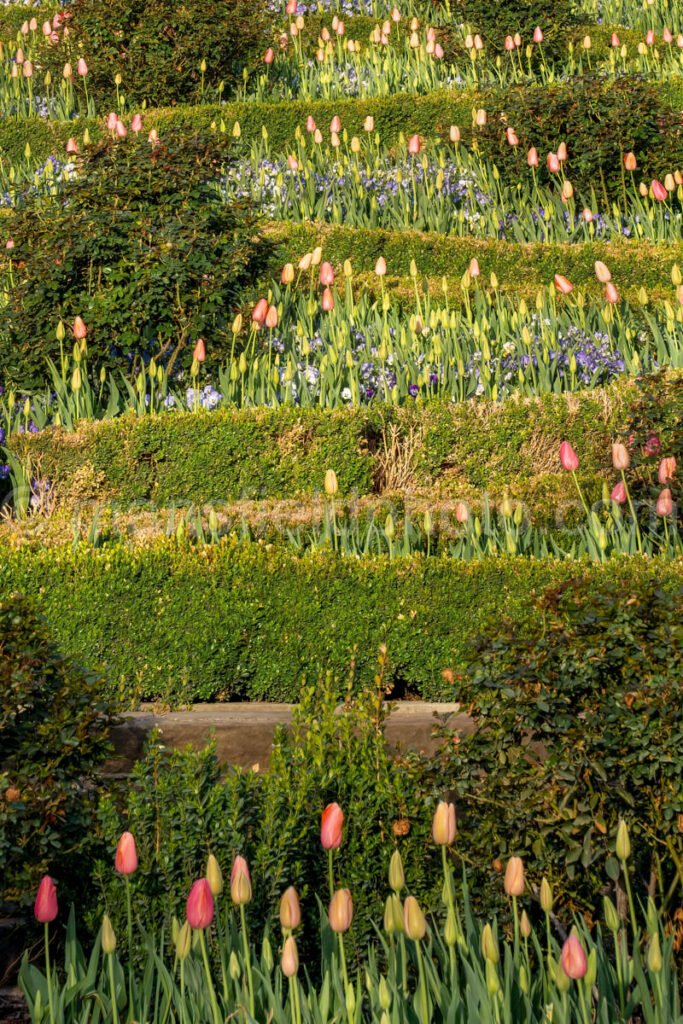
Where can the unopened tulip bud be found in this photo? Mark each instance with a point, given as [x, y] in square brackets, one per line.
[573, 958]
[381, 267]
[341, 911]
[45, 906]
[290, 909]
[183, 942]
[214, 876]
[80, 331]
[414, 923]
[82, 68]
[332, 820]
[199, 352]
[602, 272]
[290, 957]
[492, 979]
[514, 877]
[287, 275]
[327, 836]
[397, 878]
[532, 157]
[667, 469]
[108, 936]
[623, 844]
[525, 925]
[489, 944]
[393, 915]
[240, 882]
[200, 905]
[620, 456]
[563, 284]
[126, 857]
[568, 457]
[654, 954]
[444, 827]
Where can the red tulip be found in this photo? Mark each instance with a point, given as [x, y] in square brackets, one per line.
[658, 190]
[260, 311]
[568, 457]
[664, 503]
[331, 827]
[126, 858]
[199, 351]
[573, 958]
[563, 284]
[45, 907]
[619, 493]
[667, 469]
[79, 329]
[650, 37]
[200, 905]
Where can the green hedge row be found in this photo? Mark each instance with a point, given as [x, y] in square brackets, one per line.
[449, 449]
[626, 114]
[633, 264]
[241, 621]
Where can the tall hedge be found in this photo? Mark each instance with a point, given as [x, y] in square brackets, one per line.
[239, 621]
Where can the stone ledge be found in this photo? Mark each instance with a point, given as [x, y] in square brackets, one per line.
[244, 732]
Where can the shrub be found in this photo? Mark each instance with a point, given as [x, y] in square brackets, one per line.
[498, 18]
[141, 247]
[158, 46]
[579, 724]
[53, 739]
[242, 621]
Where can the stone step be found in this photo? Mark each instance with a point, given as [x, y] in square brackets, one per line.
[244, 732]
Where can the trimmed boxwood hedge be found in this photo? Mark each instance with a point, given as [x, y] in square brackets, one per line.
[628, 114]
[216, 457]
[236, 621]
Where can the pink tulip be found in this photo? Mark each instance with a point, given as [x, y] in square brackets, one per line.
[82, 68]
[126, 857]
[532, 157]
[658, 190]
[602, 272]
[47, 28]
[573, 958]
[9, 244]
[414, 144]
[381, 267]
[79, 329]
[553, 163]
[509, 43]
[620, 456]
[461, 512]
[438, 51]
[71, 146]
[310, 124]
[619, 493]
[611, 293]
[200, 905]
[562, 152]
[331, 827]
[667, 469]
[45, 907]
[240, 882]
[269, 56]
[271, 317]
[327, 300]
[568, 457]
[473, 268]
[136, 123]
[335, 124]
[260, 311]
[111, 122]
[121, 129]
[667, 37]
[563, 284]
[511, 137]
[538, 35]
[326, 274]
[650, 37]
[615, 41]
[200, 355]
[291, 7]
[664, 503]
[292, 163]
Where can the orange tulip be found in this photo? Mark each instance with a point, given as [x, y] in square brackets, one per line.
[563, 284]
[514, 877]
[290, 909]
[126, 857]
[341, 911]
[573, 958]
[444, 828]
[620, 456]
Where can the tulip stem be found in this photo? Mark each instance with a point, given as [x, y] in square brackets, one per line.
[631, 906]
[633, 513]
[247, 959]
[112, 989]
[212, 994]
[330, 867]
[129, 908]
[583, 500]
[295, 1001]
[516, 926]
[424, 1014]
[49, 974]
[342, 961]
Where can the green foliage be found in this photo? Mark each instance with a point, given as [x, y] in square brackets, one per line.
[226, 455]
[244, 621]
[499, 18]
[579, 724]
[53, 739]
[180, 807]
[141, 247]
[157, 46]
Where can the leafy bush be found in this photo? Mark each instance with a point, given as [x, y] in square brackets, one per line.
[579, 724]
[140, 246]
[497, 19]
[244, 621]
[53, 739]
[158, 46]
[181, 807]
